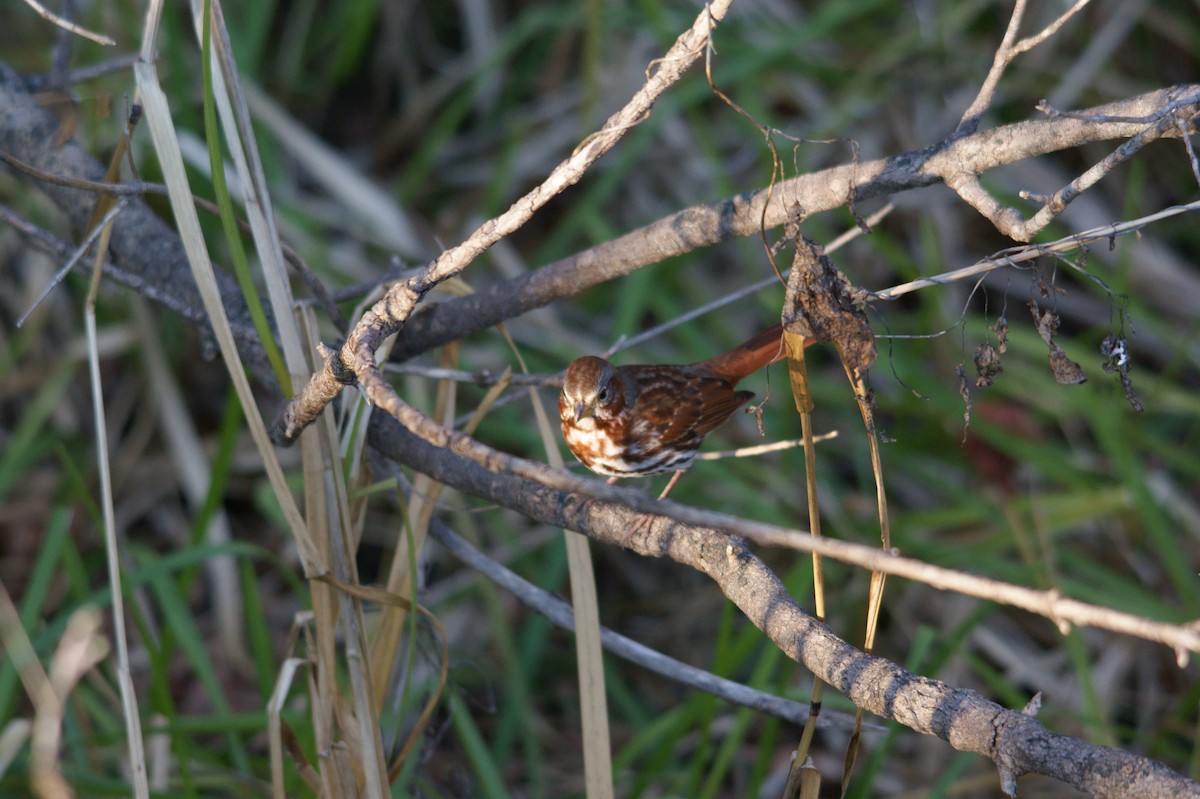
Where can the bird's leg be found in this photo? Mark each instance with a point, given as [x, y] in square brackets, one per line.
[644, 519]
[671, 483]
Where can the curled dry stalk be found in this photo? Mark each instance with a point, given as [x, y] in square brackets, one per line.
[820, 305]
[800, 782]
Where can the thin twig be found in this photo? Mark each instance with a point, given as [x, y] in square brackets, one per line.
[96, 186]
[845, 238]
[46, 13]
[763, 449]
[558, 611]
[484, 378]
[1030, 42]
[1017, 255]
[85, 73]
[79, 253]
[1008, 50]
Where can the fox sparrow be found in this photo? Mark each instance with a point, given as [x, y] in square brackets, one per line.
[627, 421]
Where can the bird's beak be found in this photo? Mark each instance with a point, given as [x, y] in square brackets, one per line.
[582, 410]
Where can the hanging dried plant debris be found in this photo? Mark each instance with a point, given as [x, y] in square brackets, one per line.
[987, 365]
[822, 305]
[1066, 372]
[1001, 331]
[1116, 359]
[964, 391]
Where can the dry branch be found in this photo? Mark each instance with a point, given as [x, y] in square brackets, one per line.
[1017, 743]
[27, 133]
[705, 225]
[393, 311]
[145, 254]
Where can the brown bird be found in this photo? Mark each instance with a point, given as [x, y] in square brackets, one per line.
[632, 421]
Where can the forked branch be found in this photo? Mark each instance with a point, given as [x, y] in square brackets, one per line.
[393, 311]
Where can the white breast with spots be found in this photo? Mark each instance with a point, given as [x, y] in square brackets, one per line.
[606, 457]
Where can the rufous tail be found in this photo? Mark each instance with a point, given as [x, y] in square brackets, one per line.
[757, 352]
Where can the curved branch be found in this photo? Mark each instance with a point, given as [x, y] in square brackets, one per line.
[558, 611]
[1017, 743]
[394, 310]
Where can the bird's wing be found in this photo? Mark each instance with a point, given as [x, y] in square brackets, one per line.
[673, 408]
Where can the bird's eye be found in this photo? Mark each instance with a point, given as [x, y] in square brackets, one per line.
[602, 394]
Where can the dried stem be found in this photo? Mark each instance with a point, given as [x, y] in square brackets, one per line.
[1009, 49]
[46, 13]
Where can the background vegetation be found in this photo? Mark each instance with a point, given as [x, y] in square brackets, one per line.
[452, 110]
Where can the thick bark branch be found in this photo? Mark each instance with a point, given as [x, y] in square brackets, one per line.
[705, 225]
[144, 252]
[967, 721]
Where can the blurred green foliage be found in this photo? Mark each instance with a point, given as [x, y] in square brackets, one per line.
[455, 109]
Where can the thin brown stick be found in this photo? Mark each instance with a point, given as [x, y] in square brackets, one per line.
[98, 38]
